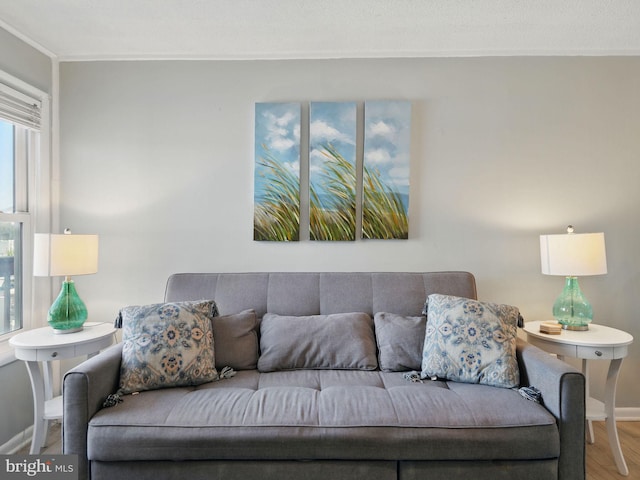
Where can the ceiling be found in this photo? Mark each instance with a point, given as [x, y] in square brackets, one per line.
[267, 29]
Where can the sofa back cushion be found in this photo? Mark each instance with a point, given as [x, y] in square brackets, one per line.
[235, 340]
[343, 341]
[319, 293]
[400, 340]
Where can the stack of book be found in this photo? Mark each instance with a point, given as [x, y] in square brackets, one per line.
[551, 328]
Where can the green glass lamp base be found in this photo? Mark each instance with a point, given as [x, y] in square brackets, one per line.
[68, 313]
[577, 328]
[571, 308]
[70, 330]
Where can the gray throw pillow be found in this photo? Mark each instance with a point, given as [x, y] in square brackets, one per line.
[400, 341]
[236, 340]
[167, 345]
[343, 341]
[471, 341]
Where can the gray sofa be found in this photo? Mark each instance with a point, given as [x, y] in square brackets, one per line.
[318, 423]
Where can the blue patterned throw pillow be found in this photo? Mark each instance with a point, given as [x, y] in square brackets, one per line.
[167, 345]
[470, 341]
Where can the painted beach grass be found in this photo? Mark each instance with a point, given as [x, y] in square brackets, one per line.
[384, 214]
[276, 216]
[279, 218]
[332, 213]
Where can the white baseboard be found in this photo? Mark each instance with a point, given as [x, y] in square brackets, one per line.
[628, 414]
[19, 441]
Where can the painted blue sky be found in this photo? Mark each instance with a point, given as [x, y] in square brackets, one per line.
[387, 131]
[330, 123]
[277, 130]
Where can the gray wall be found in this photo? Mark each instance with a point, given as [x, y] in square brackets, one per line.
[16, 403]
[157, 157]
[24, 62]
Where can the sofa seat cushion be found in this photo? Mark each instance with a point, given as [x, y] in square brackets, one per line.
[324, 414]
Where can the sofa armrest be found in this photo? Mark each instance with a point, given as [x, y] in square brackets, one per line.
[563, 394]
[85, 388]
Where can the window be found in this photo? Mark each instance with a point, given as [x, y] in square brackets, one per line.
[15, 221]
[19, 148]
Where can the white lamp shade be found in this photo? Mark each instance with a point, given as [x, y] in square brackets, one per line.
[573, 254]
[64, 254]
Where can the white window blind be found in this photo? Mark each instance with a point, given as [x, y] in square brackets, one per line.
[18, 108]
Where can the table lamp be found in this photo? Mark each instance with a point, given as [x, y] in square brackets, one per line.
[573, 255]
[65, 255]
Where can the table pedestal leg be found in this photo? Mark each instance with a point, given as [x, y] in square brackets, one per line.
[39, 422]
[47, 373]
[609, 408]
[589, 424]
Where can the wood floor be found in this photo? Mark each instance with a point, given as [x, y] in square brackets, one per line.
[600, 465]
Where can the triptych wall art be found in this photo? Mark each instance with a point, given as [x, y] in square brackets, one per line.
[338, 209]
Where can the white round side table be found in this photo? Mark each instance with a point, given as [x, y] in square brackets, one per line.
[43, 345]
[597, 343]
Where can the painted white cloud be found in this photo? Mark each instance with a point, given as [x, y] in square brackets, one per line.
[285, 119]
[382, 129]
[400, 175]
[279, 135]
[293, 167]
[378, 156]
[316, 159]
[280, 144]
[323, 132]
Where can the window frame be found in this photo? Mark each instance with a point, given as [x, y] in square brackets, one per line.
[32, 208]
[25, 158]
